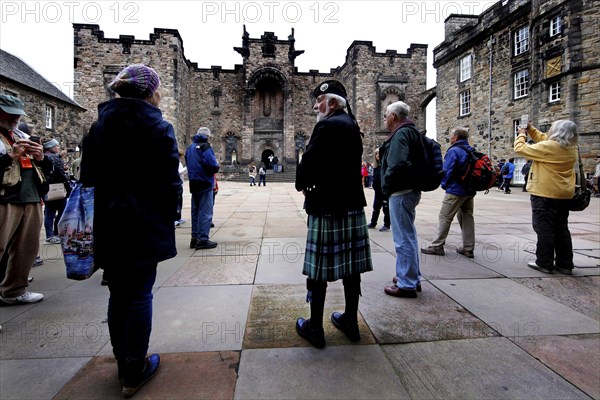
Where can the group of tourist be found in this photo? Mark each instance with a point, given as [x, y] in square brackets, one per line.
[337, 245]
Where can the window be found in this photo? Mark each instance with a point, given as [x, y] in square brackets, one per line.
[8, 92]
[521, 84]
[522, 40]
[465, 68]
[556, 26]
[516, 123]
[465, 103]
[554, 91]
[49, 117]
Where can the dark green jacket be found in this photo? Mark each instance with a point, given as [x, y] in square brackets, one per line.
[400, 155]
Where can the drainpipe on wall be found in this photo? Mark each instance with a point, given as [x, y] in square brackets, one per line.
[490, 46]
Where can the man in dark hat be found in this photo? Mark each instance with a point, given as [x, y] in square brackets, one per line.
[22, 166]
[337, 246]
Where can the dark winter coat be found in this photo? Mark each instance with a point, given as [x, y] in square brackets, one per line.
[401, 155]
[130, 156]
[329, 172]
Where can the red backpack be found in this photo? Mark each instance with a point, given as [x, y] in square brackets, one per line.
[479, 175]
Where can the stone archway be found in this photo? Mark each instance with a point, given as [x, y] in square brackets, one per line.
[264, 158]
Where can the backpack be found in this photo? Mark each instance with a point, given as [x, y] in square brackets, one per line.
[504, 170]
[433, 165]
[479, 174]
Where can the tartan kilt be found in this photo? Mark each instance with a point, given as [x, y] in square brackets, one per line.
[337, 246]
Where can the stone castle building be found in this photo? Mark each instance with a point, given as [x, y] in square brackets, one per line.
[534, 57]
[262, 106]
[50, 112]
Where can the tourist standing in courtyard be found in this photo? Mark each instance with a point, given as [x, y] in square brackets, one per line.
[379, 200]
[337, 245]
[400, 161]
[459, 200]
[202, 166]
[133, 218]
[23, 184]
[551, 186]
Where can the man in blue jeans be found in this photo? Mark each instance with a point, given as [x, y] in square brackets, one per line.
[202, 166]
[399, 182]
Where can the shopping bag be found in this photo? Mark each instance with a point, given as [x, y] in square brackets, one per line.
[76, 232]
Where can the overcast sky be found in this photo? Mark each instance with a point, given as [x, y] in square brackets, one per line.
[41, 32]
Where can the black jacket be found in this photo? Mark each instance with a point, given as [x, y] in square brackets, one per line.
[329, 172]
[130, 156]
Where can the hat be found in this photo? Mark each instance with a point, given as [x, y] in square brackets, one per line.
[23, 127]
[11, 105]
[50, 143]
[333, 87]
[137, 81]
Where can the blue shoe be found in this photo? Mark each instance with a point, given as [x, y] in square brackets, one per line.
[134, 383]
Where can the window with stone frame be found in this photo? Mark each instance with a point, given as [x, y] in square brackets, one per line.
[554, 90]
[521, 84]
[49, 117]
[8, 92]
[555, 26]
[465, 102]
[521, 40]
[516, 123]
[465, 68]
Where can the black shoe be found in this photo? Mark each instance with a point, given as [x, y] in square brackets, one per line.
[436, 251]
[350, 329]
[419, 289]
[193, 243]
[205, 244]
[566, 271]
[466, 253]
[545, 270]
[371, 225]
[316, 337]
[212, 225]
[133, 384]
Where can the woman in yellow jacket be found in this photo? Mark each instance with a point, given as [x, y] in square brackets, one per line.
[551, 184]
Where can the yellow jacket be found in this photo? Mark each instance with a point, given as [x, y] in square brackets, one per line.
[552, 173]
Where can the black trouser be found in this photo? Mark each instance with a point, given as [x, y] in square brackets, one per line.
[316, 296]
[379, 202]
[550, 223]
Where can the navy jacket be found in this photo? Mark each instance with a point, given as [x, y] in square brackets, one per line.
[202, 165]
[130, 156]
[329, 172]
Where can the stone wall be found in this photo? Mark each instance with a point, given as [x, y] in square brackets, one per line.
[66, 125]
[576, 49]
[229, 102]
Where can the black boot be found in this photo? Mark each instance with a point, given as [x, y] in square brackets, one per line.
[312, 329]
[348, 321]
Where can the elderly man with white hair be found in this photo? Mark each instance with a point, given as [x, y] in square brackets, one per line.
[202, 166]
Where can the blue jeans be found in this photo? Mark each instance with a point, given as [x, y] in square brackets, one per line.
[130, 310]
[202, 214]
[53, 210]
[403, 212]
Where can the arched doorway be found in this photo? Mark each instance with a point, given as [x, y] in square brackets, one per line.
[264, 158]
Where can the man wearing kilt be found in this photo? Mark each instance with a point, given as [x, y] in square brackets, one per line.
[337, 245]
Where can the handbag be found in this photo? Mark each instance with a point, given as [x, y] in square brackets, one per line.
[57, 192]
[581, 197]
[76, 232]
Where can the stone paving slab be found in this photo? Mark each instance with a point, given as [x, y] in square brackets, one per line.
[37, 378]
[247, 248]
[335, 372]
[214, 270]
[283, 246]
[65, 324]
[578, 293]
[453, 266]
[514, 310]
[209, 375]
[275, 308]
[492, 368]
[278, 269]
[431, 316]
[201, 318]
[580, 367]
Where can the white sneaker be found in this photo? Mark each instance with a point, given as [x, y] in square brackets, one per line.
[25, 298]
[53, 240]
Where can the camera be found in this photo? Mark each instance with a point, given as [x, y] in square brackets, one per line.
[35, 139]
